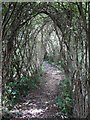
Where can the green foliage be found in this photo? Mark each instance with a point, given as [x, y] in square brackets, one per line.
[50, 58]
[16, 89]
[64, 100]
[4, 9]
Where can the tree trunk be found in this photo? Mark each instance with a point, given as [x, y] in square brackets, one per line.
[89, 63]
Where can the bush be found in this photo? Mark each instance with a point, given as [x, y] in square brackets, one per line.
[16, 89]
[64, 99]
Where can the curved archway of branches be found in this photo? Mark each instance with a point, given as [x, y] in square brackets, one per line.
[24, 26]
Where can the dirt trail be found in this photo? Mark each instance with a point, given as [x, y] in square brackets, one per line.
[41, 102]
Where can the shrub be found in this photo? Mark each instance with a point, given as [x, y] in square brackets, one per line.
[64, 99]
[16, 89]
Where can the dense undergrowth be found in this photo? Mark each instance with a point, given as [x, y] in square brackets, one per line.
[64, 99]
[14, 91]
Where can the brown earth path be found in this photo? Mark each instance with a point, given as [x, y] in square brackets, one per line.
[41, 102]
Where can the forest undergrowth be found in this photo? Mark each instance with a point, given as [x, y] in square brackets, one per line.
[44, 101]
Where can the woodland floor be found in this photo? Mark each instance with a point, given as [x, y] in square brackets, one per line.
[41, 102]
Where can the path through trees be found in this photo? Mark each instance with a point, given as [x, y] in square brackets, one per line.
[54, 31]
[41, 102]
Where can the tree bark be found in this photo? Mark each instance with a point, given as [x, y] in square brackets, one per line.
[89, 61]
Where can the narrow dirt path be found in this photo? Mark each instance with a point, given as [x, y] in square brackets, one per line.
[41, 102]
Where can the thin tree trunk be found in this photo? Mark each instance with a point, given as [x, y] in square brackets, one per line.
[89, 63]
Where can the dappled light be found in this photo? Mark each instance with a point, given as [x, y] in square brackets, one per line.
[41, 102]
[45, 60]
